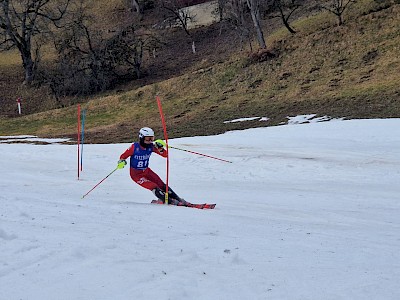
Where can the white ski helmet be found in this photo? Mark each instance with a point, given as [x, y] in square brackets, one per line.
[145, 131]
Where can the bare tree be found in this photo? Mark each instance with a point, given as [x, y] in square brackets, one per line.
[254, 6]
[90, 60]
[178, 12]
[139, 6]
[126, 49]
[23, 22]
[286, 8]
[235, 16]
[221, 9]
[338, 7]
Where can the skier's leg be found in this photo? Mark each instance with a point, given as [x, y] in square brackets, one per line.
[151, 181]
[171, 193]
[174, 196]
[152, 176]
[141, 178]
[160, 194]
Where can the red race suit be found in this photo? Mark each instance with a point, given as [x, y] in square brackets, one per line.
[139, 161]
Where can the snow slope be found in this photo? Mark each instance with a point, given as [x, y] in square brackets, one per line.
[305, 211]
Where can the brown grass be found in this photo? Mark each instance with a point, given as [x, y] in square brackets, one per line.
[349, 71]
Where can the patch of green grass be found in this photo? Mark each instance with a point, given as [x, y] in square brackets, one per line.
[20, 125]
[10, 58]
[363, 7]
[369, 89]
[315, 23]
[278, 35]
[226, 76]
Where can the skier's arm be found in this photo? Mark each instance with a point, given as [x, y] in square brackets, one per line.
[160, 151]
[158, 147]
[128, 152]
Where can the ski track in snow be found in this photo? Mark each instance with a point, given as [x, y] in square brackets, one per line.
[303, 212]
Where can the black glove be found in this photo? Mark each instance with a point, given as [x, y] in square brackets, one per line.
[159, 144]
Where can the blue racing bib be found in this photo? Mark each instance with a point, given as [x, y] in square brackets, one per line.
[140, 157]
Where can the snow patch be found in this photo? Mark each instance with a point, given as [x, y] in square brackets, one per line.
[31, 138]
[242, 120]
[300, 119]
[300, 208]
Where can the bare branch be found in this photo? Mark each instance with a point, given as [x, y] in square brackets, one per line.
[338, 7]
[21, 21]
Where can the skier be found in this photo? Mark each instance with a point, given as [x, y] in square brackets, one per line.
[139, 153]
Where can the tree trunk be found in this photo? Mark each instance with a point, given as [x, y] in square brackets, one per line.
[136, 6]
[193, 47]
[254, 7]
[260, 34]
[285, 19]
[28, 65]
[340, 19]
[286, 23]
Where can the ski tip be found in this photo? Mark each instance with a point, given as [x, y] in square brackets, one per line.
[157, 201]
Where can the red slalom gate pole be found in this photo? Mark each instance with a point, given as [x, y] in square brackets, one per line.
[83, 115]
[79, 133]
[166, 142]
[209, 156]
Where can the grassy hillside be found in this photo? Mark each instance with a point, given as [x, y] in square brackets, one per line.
[349, 71]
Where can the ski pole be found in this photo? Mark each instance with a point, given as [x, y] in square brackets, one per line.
[209, 156]
[99, 182]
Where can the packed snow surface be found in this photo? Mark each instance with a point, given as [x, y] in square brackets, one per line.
[307, 211]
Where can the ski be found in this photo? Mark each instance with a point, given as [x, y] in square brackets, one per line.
[192, 205]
